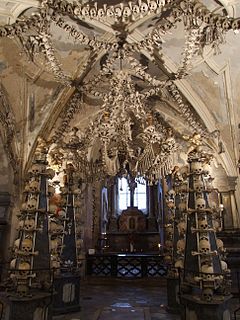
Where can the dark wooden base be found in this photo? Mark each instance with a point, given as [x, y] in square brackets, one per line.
[174, 305]
[36, 307]
[67, 297]
[195, 309]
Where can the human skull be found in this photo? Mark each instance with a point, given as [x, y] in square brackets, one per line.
[198, 186]
[182, 206]
[34, 186]
[179, 264]
[55, 262]
[37, 168]
[144, 8]
[77, 203]
[171, 193]
[224, 266]
[27, 245]
[196, 167]
[32, 204]
[181, 227]
[167, 259]
[204, 246]
[29, 224]
[62, 213]
[50, 173]
[56, 227]
[54, 244]
[16, 244]
[24, 206]
[207, 294]
[169, 230]
[180, 246]
[64, 190]
[169, 245]
[24, 267]
[152, 6]
[200, 204]
[51, 189]
[203, 223]
[127, 12]
[52, 208]
[13, 264]
[220, 245]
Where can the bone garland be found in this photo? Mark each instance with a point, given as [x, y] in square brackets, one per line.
[71, 108]
[191, 49]
[7, 120]
[52, 60]
[120, 12]
[185, 110]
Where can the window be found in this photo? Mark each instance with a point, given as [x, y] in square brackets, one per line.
[124, 195]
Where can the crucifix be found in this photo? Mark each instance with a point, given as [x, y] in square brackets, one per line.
[132, 186]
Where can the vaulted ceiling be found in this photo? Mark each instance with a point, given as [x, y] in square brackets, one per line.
[36, 100]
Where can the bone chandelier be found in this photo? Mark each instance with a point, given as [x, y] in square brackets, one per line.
[131, 138]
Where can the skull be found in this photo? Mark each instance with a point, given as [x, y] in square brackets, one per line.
[182, 206]
[169, 245]
[34, 186]
[27, 189]
[152, 6]
[52, 208]
[24, 206]
[144, 8]
[55, 244]
[55, 262]
[204, 246]
[200, 204]
[13, 264]
[50, 173]
[24, 268]
[171, 193]
[29, 224]
[198, 186]
[16, 244]
[203, 224]
[62, 213]
[51, 190]
[207, 294]
[37, 169]
[224, 266]
[27, 245]
[55, 227]
[180, 246]
[32, 204]
[135, 9]
[179, 264]
[167, 259]
[77, 203]
[169, 230]
[127, 12]
[181, 227]
[220, 245]
[64, 190]
[196, 167]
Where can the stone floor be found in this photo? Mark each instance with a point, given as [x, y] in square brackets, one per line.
[122, 300]
[103, 299]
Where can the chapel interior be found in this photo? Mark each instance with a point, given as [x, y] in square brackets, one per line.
[119, 160]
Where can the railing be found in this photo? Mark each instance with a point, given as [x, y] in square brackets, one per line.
[128, 266]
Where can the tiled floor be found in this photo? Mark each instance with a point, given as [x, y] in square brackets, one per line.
[122, 300]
